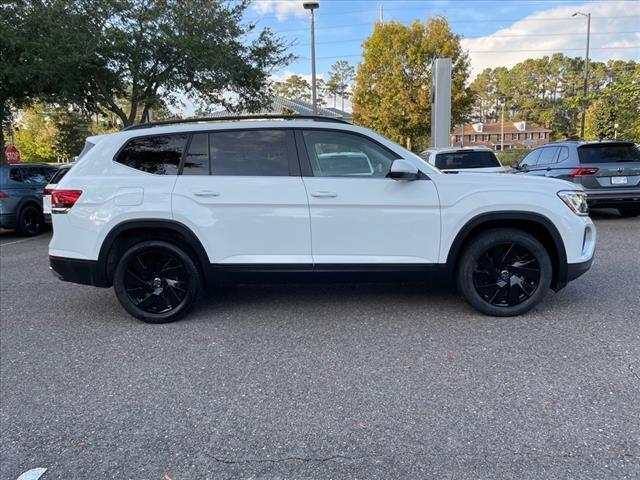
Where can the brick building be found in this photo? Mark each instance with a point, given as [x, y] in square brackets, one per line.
[516, 135]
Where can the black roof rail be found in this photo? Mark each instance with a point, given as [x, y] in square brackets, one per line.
[316, 118]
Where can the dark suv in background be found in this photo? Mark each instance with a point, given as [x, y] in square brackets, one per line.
[609, 171]
[21, 187]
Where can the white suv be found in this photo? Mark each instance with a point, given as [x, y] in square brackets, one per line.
[162, 211]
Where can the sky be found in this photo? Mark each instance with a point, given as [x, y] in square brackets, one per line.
[495, 32]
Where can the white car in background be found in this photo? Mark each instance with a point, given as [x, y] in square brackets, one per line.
[46, 193]
[458, 159]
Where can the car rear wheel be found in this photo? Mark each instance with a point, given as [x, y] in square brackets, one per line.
[504, 272]
[633, 211]
[156, 282]
[30, 221]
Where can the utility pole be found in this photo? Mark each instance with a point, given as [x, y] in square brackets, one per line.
[586, 73]
[381, 13]
[502, 128]
[314, 101]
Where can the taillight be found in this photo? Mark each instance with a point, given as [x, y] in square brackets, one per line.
[63, 200]
[578, 172]
[47, 191]
[3, 194]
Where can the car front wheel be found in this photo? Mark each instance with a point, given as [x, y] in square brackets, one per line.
[504, 272]
[156, 282]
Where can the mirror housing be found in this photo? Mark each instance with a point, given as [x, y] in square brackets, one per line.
[403, 170]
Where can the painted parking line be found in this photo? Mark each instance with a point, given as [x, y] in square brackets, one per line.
[17, 241]
[33, 474]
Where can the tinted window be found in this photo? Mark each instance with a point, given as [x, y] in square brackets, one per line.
[196, 161]
[609, 153]
[59, 175]
[339, 154]
[547, 155]
[249, 153]
[158, 154]
[531, 159]
[453, 160]
[31, 175]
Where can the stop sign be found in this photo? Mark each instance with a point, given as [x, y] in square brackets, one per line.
[13, 154]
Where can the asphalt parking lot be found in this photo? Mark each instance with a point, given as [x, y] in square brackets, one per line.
[317, 381]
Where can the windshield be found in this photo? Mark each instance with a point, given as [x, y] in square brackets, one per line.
[609, 153]
[466, 159]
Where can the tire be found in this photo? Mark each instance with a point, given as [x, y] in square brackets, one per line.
[30, 221]
[157, 282]
[627, 212]
[504, 272]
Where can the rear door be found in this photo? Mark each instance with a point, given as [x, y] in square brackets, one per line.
[242, 193]
[617, 164]
[358, 215]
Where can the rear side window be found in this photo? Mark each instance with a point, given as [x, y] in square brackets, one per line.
[160, 154]
[466, 159]
[548, 155]
[563, 154]
[609, 153]
[31, 175]
[196, 161]
[249, 153]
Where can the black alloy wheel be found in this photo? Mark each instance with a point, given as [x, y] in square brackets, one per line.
[30, 221]
[504, 272]
[156, 281]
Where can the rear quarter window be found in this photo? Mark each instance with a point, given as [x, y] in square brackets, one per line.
[158, 154]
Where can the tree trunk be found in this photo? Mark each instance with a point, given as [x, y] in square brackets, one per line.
[3, 110]
[408, 143]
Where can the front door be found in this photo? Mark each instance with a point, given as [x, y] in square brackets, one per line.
[241, 192]
[358, 216]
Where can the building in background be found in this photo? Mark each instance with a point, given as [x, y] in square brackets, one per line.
[516, 135]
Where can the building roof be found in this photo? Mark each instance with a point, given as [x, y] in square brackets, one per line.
[299, 107]
[493, 128]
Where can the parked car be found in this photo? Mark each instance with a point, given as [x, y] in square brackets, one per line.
[465, 159]
[21, 187]
[164, 210]
[46, 193]
[609, 171]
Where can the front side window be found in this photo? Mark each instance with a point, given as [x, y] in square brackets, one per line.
[531, 159]
[249, 153]
[159, 154]
[344, 154]
[563, 155]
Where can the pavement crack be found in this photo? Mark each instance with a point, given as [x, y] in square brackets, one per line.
[292, 459]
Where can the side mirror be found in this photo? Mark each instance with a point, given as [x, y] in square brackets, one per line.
[403, 170]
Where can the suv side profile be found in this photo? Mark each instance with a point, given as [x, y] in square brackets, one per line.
[165, 211]
[21, 187]
[609, 171]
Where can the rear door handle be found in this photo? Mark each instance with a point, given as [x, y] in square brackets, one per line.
[206, 193]
[324, 194]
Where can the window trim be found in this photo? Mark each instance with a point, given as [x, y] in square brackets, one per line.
[305, 162]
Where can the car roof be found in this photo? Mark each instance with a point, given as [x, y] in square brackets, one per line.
[21, 164]
[458, 149]
[587, 142]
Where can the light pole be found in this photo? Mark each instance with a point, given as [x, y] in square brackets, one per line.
[312, 6]
[586, 73]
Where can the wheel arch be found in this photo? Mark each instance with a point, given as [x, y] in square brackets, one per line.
[535, 224]
[129, 232]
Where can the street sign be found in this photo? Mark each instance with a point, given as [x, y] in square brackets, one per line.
[12, 153]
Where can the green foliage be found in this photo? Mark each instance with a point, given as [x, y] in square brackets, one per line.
[293, 88]
[341, 75]
[35, 135]
[392, 91]
[72, 128]
[548, 91]
[510, 156]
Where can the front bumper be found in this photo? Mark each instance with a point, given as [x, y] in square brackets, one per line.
[575, 270]
[84, 272]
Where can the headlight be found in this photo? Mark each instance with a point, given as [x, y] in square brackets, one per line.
[576, 201]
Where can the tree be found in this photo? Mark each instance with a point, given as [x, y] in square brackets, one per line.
[293, 88]
[392, 90]
[35, 134]
[72, 128]
[340, 75]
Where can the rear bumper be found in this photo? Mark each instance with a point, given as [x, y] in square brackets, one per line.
[613, 198]
[84, 272]
[47, 218]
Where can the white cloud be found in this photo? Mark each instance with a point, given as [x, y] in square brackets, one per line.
[540, 24]
[282, 8]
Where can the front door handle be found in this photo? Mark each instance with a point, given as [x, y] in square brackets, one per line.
[324, 194]
[206, 193]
